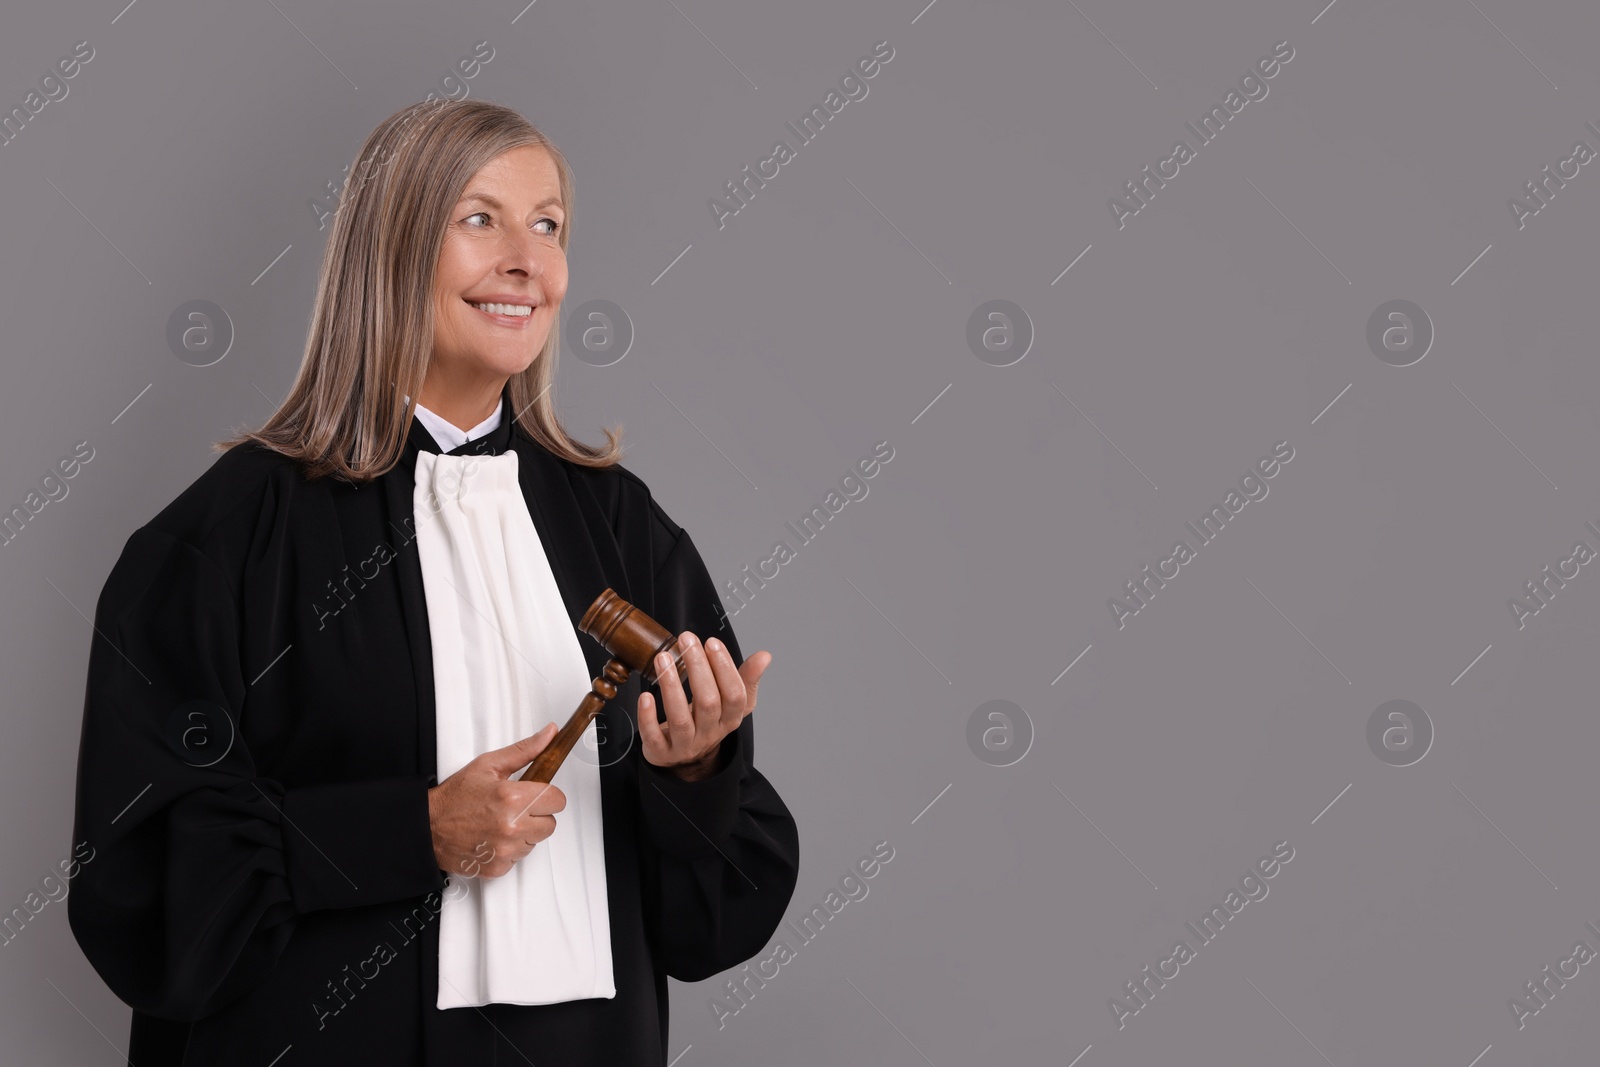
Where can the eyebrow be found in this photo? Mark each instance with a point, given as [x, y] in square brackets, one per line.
[492, 202]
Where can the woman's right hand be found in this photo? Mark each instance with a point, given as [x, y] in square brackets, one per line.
[483, 820]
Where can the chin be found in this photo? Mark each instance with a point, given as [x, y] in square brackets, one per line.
[498, 356]
[513, 367]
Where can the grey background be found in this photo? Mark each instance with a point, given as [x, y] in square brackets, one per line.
[830, 314]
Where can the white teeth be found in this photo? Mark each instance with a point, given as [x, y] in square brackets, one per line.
[504, 309]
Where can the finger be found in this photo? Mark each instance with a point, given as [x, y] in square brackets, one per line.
[680, 723]
[518, 754]
[542, 799]
[511, 852]
[751, 672]
[650, 736]
[704, 683]
[736, 698]
[532, 830]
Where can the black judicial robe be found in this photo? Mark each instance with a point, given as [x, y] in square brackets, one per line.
[257, 746]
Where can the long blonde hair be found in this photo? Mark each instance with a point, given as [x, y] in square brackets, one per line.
[371, 333]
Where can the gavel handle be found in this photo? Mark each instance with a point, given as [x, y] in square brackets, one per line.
[547, 763]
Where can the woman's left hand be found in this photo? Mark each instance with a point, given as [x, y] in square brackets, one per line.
[689, 741]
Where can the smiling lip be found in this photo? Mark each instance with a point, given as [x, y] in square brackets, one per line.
[516, 322]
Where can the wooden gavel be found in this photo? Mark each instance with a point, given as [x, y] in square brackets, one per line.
[633, 639]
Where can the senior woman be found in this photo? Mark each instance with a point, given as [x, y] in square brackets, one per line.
[317, 674]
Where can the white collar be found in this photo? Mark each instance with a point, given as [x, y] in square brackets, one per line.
[450, 436]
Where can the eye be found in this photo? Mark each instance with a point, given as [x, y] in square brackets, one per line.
[555, 227]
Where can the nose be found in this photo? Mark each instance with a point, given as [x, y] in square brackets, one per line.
[525, 259]
[521, 254]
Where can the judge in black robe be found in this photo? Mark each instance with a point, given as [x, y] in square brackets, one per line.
[257, 747]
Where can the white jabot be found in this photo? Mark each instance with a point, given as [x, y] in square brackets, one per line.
[448, 434]
[506, 661]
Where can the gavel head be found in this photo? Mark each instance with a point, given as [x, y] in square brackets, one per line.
[632, 637]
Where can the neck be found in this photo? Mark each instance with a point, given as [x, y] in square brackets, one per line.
[462, 404]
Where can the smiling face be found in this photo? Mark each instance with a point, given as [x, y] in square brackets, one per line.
[501, 257]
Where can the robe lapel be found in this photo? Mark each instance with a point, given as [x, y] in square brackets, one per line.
[584, 558]
[398, 488]
[571, 540]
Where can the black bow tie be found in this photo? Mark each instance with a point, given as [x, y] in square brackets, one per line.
[493, 443]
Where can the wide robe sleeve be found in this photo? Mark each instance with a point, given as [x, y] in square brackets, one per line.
[721, 855]
[202, 865]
